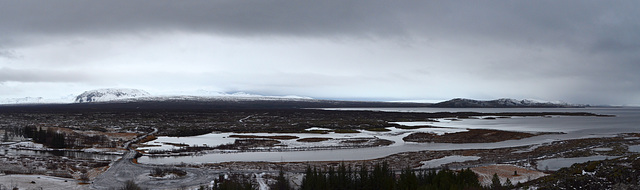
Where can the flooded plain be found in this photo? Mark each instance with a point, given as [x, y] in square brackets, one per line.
[626, 120]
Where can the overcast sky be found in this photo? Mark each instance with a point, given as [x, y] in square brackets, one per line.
[573, 51]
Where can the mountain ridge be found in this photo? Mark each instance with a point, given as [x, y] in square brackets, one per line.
[126, 95]
[502, 103]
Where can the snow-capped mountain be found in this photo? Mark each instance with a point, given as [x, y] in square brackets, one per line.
[132, 95]
[110, 94]
[501, 103]
[246, 100]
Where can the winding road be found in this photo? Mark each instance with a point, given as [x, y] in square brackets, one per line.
[125, 169]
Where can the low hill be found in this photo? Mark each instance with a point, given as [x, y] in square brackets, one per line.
[501, 103]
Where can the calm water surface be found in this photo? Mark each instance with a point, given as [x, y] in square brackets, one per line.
[557, 163]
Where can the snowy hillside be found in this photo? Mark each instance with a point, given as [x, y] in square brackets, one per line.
[25, 100]
[38, 100]
[110, 94]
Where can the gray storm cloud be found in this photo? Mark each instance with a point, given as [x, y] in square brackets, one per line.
[591, 23]
[39, 75]
[581, 51]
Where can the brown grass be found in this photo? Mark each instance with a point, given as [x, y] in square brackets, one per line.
[380, 129]
[313, 139]
[356, 141]
[121, 135]
[471, 136]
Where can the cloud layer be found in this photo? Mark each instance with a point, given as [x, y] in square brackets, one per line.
[575, 51]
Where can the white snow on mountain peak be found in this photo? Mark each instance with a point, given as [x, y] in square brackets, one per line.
[110, 94]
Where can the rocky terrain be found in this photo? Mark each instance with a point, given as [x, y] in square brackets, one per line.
[619, 173]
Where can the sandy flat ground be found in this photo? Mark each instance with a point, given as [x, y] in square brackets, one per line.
[41, 182]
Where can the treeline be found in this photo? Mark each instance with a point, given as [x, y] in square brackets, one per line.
[54, 139]
[6, 136]
[48, 138]
[185, 131]
[234, 182]
[382, 177]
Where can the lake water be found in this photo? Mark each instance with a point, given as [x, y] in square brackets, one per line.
[214, 139]
[627, 120]
[556, 163]
[634, 148]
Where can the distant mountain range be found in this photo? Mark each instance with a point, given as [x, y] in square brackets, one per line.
[501, 103]
[122, 97]
[38, 100]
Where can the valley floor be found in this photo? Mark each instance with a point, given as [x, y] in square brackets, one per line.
[104, 172]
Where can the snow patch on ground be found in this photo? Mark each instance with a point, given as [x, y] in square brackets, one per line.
[28, 145]
[105, 150]
[165, 177]
[318, 129]
[39, 182]
[262, 183]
